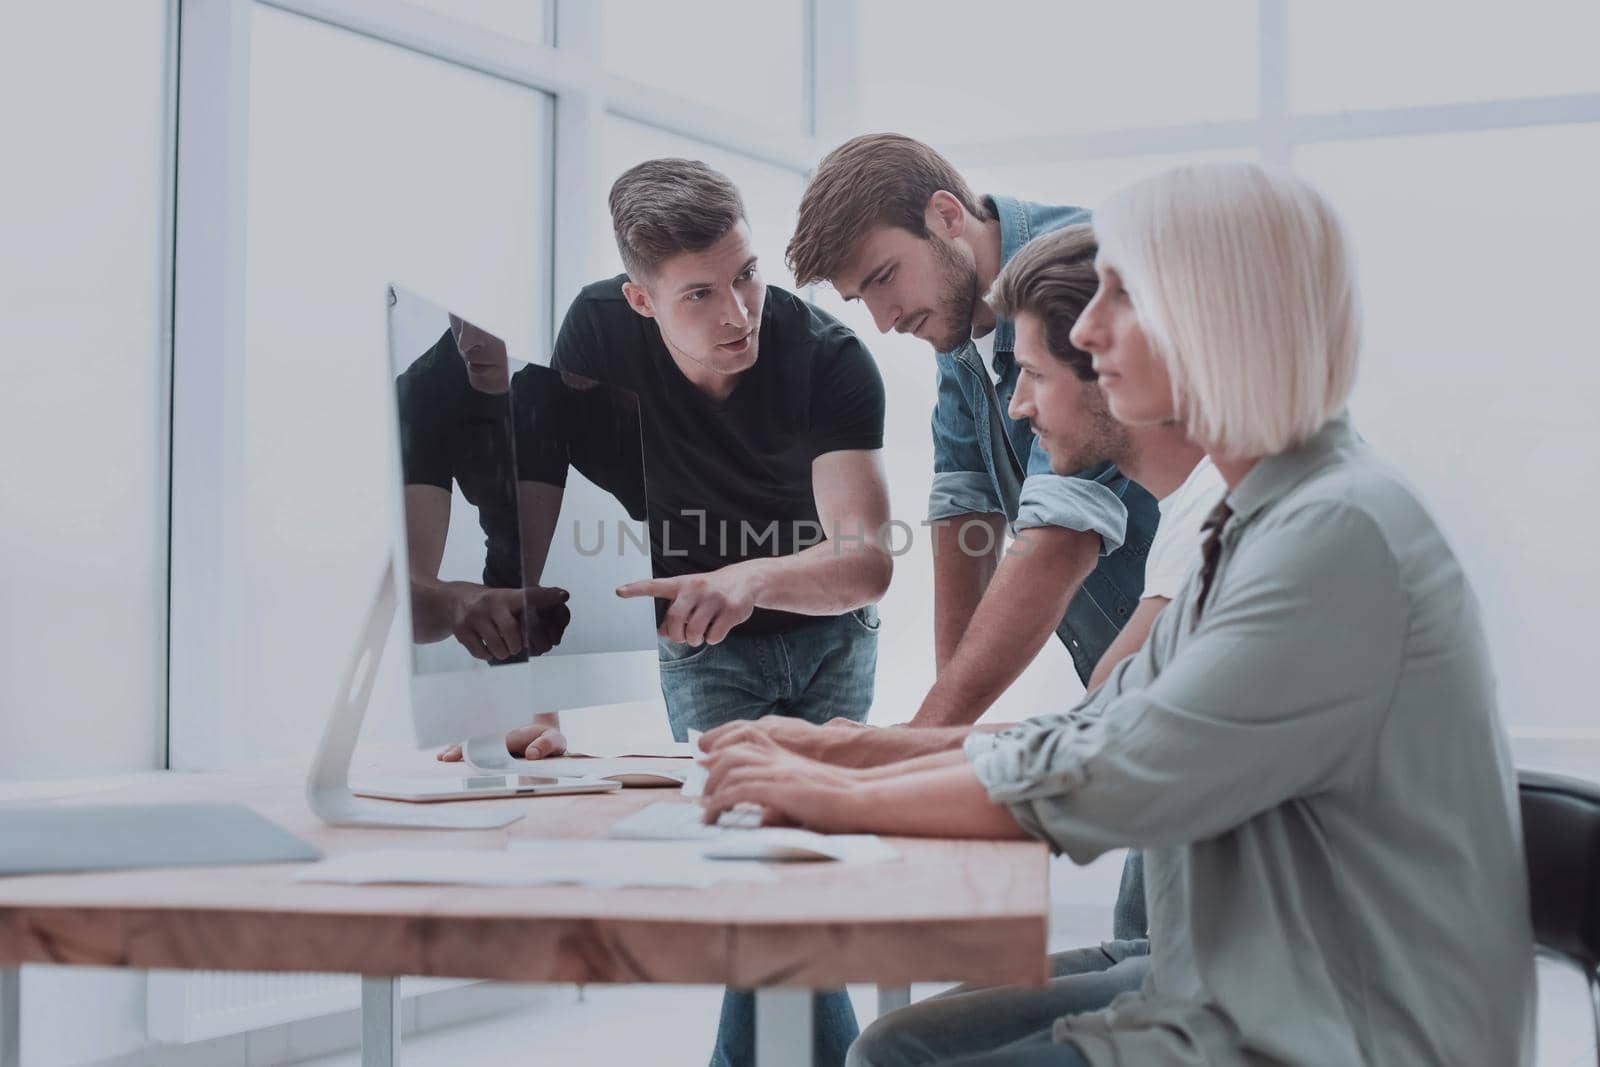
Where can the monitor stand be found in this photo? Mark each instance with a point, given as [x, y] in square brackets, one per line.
[328, 783]
[489, 755]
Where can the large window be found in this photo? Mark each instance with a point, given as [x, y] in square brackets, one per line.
[1474, 225]
[83, 412]
[473, 169]
[1372, 54]
[525, 21]
[951, 72]
[734, 56]
[368, 164]
[771, 194]
[1085, 182]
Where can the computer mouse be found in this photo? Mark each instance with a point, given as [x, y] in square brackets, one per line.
[646, 780]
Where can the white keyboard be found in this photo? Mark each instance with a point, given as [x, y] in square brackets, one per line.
[673, 820]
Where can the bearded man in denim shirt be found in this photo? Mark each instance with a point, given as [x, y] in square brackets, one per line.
[889, 222]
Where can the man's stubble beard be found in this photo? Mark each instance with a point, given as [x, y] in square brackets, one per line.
[1105, 441]
[959, 297]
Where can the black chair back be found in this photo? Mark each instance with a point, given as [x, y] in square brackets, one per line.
[1561, 837]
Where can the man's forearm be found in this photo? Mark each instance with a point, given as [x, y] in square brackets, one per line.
[946, 801]
[827, 579]
[538, 509]
[964, 561]
[1020, 610]
[874, 747]
[944, 758]
[433, 612]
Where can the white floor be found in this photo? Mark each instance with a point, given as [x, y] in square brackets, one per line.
[674, 1026]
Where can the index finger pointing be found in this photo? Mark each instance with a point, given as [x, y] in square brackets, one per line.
[664, 588]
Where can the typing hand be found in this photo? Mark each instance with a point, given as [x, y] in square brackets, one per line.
[789, 789]
[704, 607]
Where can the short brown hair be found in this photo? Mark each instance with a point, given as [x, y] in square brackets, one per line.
[878, 179]
[1053, 278]
[665, 206]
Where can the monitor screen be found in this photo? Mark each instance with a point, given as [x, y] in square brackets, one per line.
[512, 552]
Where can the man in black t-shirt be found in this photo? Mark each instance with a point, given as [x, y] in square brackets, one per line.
[765, 494]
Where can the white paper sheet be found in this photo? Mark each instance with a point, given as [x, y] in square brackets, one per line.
[600, 864]
[725, 842]
[694, 784]
[739, 844]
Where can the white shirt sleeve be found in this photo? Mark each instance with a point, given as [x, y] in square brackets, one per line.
[1175, 550]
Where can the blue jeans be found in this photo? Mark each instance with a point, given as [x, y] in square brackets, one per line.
[1038, 1050]
[1007, 1027]
[816, 672]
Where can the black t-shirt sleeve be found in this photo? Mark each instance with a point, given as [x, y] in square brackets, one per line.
[847, 399]
[543, 427]
[424, 452]
[580, 348]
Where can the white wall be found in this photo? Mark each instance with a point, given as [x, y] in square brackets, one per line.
[1480, 371]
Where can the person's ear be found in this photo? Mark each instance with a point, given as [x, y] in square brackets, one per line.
[638, 298]
[944, 216]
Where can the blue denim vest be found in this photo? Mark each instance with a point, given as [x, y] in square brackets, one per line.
[987, 462]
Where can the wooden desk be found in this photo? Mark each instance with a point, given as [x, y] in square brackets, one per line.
[944, 911]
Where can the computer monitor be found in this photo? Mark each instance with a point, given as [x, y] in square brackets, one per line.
[518, 507]
[497, 468]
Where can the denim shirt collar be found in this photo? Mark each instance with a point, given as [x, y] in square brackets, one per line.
[1020, 222]
[1274, 476]
[1016, 230]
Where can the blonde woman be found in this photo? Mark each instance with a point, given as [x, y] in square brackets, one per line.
[1307, 747]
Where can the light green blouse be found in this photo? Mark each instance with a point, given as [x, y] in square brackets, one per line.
[1321, 782]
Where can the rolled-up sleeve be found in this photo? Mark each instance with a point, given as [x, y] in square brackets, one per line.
[1070, 502]
[961, 493]
[1287, 676]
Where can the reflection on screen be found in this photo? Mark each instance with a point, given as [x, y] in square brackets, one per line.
[493, 454]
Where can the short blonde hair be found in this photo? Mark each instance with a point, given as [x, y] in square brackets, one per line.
[1243, 279]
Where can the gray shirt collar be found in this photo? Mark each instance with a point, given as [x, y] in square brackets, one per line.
[1274, 476]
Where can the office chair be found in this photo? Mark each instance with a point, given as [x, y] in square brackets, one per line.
[1561, 837]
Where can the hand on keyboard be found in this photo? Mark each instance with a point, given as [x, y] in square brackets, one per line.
[677, 821]
[738, 817]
